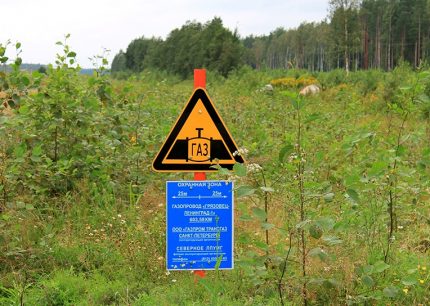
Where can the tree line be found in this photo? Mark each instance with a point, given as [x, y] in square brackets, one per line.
[367, 34]
[208, 45]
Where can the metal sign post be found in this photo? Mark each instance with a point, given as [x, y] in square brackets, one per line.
[199, 225]
[199, 217]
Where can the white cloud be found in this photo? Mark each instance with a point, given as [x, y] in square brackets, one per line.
[112, 24]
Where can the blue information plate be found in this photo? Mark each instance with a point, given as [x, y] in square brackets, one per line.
[199, 225]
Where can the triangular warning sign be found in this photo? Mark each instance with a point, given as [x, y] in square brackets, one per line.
[198, 140]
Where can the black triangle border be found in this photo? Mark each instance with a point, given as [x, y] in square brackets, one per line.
[198, 94]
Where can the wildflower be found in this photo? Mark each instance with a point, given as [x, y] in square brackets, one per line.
[241, 151]
[424, 268]
[421, 281]
[167, 273]
[405, 290]
[119, 216]
[133, 139]
[254, 168]
[292, 157]
[173, 280]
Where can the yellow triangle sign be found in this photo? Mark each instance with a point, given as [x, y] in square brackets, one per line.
[198, 140]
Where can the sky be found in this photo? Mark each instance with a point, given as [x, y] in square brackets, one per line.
[98, 25]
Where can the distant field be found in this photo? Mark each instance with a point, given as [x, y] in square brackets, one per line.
[332, 206]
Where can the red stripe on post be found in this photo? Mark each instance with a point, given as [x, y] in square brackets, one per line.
[199, 78]
[199, 81]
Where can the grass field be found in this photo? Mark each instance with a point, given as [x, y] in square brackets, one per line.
[332, 207]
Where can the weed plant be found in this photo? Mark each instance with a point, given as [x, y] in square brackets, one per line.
[332, 206]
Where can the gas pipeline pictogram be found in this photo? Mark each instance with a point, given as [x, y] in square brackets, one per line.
[198, 140]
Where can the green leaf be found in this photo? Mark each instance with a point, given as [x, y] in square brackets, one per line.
[25, 80]
[11, 103]
[405, 88]
[377, 169]
[3, 59]
[315, 231]
[287, 149]
[267, 189]
[313, 117]
[36, 159]
[325, 223]
[352, 179]
[290, 94]
[380, 266]
[391, 292]
[37, 151]
[401, 150]
[331, 283]
[20, 205]
[261, 245]
[318, 252]
[91, 103]
[218, 262]
[221, 170]
[353, 195]
[423, 98]
[245, 218]
[259, 213]
[71, 54]
[368, 281]
[409, 280]
[239, 169]
[328, 197]
[332, 240]
[244, 191]
[267, 226]
[18, 45]
[2, 51]
[302, 224]
[20, 150]
[18, 61]
[295, 103]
